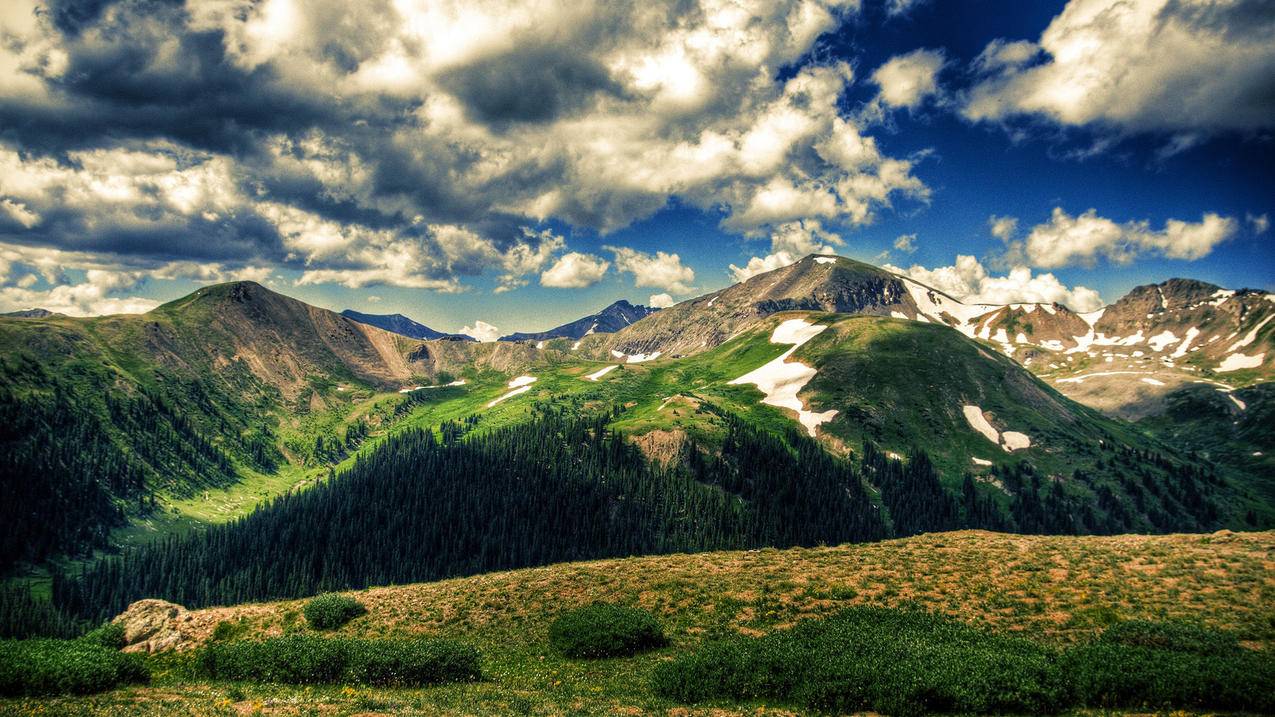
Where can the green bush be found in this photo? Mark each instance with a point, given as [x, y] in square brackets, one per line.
[109, 635]
[892, 661]
[55, 667]
[905, 662]
[1161, 665]
[602, 630]
[330, 611]
[1176, 636]
[309, 659]
[405, 663]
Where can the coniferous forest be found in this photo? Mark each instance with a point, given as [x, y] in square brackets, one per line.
[427, 505]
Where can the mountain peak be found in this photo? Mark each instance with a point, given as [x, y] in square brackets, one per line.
[403, 326]
[619, 315]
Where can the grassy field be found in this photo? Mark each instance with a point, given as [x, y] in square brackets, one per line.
[1059, 590]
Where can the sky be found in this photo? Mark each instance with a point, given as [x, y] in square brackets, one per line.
[492, 167]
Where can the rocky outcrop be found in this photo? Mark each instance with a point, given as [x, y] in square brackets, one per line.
[153, 626]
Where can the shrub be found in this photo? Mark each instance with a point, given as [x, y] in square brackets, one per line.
[893, 661]
[309, 659]
[1176, 636]
[602, 630]
[109, 635]
[905, 662]
[52, 667]
[404, 663]
[330, 611]
[1160, 665]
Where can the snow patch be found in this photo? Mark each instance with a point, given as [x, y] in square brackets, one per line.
[781, 381]
[540, 344]
[1159, 341]
[1009, 440]
[602, 372]
[974, 416]
[521, 384]
[617, 354]
[1152, 381]
[639, 358]
[1191, 333]
[825, 260]
[980, 461]
[1250, 336]
[1242, 406]
[575, 346]
[1235, 362]
[898, 314]
[1013, 441]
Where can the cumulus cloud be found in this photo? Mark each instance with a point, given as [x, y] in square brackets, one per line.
[660, 301]
[1002, 228]
[575, 271]
[905, 81]
[1177, 66]
[90, 284]
[482, 331]
[419, 143]
[1065, 240]
[660, 270]
[789, 243]
[906, 243]
[968, 281]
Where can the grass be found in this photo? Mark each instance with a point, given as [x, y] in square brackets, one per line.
[1059, 591]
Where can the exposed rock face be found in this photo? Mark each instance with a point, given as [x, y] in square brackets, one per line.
[152, 626]
[816, 283]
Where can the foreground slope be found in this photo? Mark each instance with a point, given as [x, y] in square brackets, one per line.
[1058, 590]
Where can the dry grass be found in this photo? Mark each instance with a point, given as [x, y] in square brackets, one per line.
[1057, 589]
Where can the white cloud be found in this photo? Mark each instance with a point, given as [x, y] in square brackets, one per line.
[902, 7]
[428, 133]
[1138, 65]
[575, 271]
[906, 243]
[660, 270]
[789, 243]
[968, 281]
[373, 299]
[482, 331]
[1259, 223]
[1082, 239]
[905, 81]
[92, 284]
[761, 265]
[660, 301]
[1002, 228]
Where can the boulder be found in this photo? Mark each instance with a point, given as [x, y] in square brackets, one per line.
[152, 626]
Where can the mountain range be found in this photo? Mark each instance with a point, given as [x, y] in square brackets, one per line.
[403, 326]
[613, 318]
[195, 411]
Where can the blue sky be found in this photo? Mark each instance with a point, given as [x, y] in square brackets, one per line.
[531, 174]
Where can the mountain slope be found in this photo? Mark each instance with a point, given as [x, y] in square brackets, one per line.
[609, 320]
[236, 382]
[400, 324]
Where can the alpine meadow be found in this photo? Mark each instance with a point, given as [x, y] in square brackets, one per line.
[719, 357]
